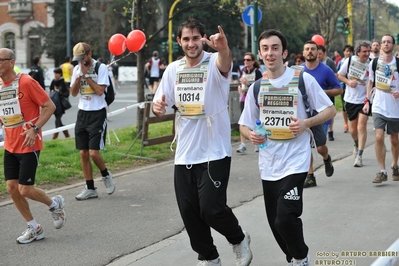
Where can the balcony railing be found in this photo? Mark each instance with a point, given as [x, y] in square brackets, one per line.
[20, 10]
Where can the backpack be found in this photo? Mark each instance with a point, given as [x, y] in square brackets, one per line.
[318, 130]
[109, 92]
[374, 67]
[34, 73]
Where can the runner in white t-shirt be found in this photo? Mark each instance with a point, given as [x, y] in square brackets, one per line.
[355, 74]
[284, 164]
[385, 106]
[198, 87]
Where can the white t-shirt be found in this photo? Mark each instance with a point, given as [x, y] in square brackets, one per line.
[92, 102]
[280, 159]
[358, 94]
[372, 56]
[384, 103]
[154, 71]
[196, 143]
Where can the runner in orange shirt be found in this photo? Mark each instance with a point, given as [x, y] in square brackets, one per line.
[25, 108]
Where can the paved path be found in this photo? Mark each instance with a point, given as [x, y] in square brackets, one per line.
[140, 224]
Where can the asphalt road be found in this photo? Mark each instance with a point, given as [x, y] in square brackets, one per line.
[143, 212]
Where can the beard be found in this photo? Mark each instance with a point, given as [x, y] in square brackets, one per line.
[196, 55]
[87, 62]
[311, 59]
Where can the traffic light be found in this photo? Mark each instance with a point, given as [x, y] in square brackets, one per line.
[164, 46]
[347, 24]
[175, 47]
[340, 25]
[396, 36]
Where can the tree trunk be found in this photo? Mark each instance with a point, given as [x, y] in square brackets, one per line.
[140, 69]
[140, 89]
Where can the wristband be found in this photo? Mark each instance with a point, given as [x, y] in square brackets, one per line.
[366, 100]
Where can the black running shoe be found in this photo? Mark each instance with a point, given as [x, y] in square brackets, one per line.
[331, 136]
[310, 181]
[328, 167]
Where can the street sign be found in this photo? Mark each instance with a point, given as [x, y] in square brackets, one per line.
[248, 15]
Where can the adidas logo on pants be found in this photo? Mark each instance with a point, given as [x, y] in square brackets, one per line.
[292, 194]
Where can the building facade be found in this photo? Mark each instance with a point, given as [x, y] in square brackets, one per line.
[21, 22]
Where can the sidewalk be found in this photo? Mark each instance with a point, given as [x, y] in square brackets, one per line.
[140, 225]
[344, 213]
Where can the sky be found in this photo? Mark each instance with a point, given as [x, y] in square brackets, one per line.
[396, 2]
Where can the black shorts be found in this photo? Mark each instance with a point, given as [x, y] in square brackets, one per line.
[352, 110]
[91, 130]
[332, 98]
[242, 106]
[21, 166]
[153, 79]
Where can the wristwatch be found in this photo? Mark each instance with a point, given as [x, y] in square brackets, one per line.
[36, 128]
[80, 74]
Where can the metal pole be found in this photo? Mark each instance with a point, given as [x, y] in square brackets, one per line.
[255, 32]
[170, 42]
[246, 45]
[350, 35]
[369, 19]
[68, 27]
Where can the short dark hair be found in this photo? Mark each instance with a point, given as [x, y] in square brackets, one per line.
[350, 47]
[311, 42]
[191, 23]
[272, 32]
[58, 70]
[321, 47]
[374, 40]
[36, 59]
[393, 39]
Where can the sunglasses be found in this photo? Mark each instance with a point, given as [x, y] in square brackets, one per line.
[4, 59]
[245, 59]
[388, 71]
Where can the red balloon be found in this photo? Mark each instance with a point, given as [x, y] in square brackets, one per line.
[135, 40]
[117, 44]
[318, 39]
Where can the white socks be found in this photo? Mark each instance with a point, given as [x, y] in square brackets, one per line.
[53, 204]
[33, 223]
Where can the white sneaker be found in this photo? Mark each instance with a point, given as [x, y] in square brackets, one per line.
[358, 161]
[87, 194]
[109, 183]
[242, 148]
[31, 234]
[58, 213]
[243, 251]
[209, 263]
[302, 262]
[256, 148]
